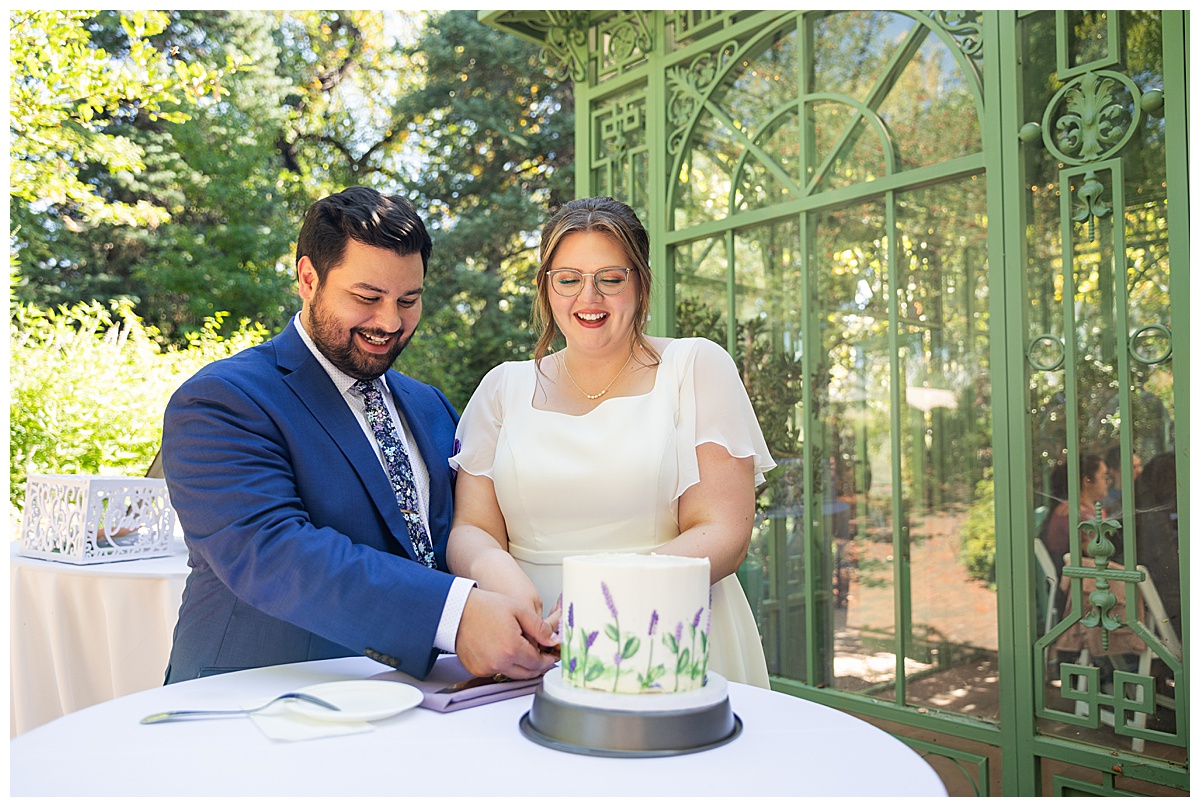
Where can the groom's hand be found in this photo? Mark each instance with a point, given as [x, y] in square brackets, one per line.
[499, 634]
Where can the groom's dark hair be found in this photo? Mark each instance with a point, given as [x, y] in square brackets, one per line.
[367, 216]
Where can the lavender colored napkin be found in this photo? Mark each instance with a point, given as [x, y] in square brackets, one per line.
[449, 670]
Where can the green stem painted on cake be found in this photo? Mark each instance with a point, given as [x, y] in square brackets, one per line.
[674, 644]
[617, 658]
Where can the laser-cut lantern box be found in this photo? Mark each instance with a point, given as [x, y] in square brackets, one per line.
[82, 519]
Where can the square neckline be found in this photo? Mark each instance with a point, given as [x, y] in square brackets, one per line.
[662, 358]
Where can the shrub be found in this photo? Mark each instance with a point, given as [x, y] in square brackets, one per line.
[89, 386]
[978, 550]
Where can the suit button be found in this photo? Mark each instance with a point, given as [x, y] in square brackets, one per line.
[382, 658]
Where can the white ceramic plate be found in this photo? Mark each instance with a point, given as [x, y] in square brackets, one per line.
[359, 701]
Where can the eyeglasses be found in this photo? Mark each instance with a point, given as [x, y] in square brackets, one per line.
[609, 282]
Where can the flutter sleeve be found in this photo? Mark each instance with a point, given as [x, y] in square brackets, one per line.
[478, 430]
[714, 408]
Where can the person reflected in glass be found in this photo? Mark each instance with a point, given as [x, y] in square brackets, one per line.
[615, 442]
[1093, 487]
[1156, 498]
[1112, 461]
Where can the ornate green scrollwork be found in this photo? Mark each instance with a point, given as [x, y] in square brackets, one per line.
[1093, 121]
[1097, 121]
[966, 31]
[566, 39]
[627, 37]
[1101, 114]
[690, 86]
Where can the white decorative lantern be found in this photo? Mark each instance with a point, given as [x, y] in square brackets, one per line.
[77, 518]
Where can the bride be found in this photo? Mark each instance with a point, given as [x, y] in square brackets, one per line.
[619, 442]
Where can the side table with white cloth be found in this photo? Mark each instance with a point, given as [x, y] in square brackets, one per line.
[788, 747]
[81, 635]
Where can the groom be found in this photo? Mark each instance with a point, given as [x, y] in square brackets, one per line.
[312, 482]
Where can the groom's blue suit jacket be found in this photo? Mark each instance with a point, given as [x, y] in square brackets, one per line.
[297, 545]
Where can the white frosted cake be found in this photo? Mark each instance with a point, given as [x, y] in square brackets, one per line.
[635, 624]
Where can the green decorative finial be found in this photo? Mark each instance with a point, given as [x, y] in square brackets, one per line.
[1100, 548]
[1091, 207]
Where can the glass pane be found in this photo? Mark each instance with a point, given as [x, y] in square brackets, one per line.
[704, 181]
[702, 290]
[743, 149]
[931, 94]
[851, 48]
[946, 432]
[1088, 37]
[847, 151]
[856, 482]
[882, 82]
[767, 349]
[761, 103]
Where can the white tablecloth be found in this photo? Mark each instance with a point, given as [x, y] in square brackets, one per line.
[789, 747]
[81, 635]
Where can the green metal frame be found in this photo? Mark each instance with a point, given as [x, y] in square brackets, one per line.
[623, 64]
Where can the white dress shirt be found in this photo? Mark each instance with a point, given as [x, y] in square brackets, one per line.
[456, 600]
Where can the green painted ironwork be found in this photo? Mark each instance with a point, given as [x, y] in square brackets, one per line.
[973, 767]
[910, 305]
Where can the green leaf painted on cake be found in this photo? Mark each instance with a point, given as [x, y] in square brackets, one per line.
[631, 647]
[649, 680]
[684, 660]
[669, 641]
[594, 671]
[611, 632]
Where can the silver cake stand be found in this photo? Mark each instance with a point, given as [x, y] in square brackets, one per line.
[602, 724]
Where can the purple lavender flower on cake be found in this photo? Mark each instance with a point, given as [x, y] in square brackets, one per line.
[571, 615]
[612, 609]
[591, 639]
[696, 618]
[653, 623]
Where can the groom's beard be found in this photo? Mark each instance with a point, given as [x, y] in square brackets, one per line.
[337, 343]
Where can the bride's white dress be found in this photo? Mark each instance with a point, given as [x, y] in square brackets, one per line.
[610, 480]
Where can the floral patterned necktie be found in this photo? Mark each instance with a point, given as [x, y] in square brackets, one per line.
[399, 469]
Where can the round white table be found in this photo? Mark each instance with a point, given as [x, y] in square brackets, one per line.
[789, 747]
[84, 634]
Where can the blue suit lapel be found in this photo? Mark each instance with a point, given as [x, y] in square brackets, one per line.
[305, 376]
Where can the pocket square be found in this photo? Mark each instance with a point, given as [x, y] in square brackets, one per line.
[449, 670]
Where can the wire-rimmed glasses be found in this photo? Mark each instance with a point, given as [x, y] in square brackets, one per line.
[569, 282]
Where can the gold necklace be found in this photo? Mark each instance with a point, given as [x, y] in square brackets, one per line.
[599, 394]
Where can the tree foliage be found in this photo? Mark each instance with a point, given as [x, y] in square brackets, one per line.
[65, 92]
[466, 124]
